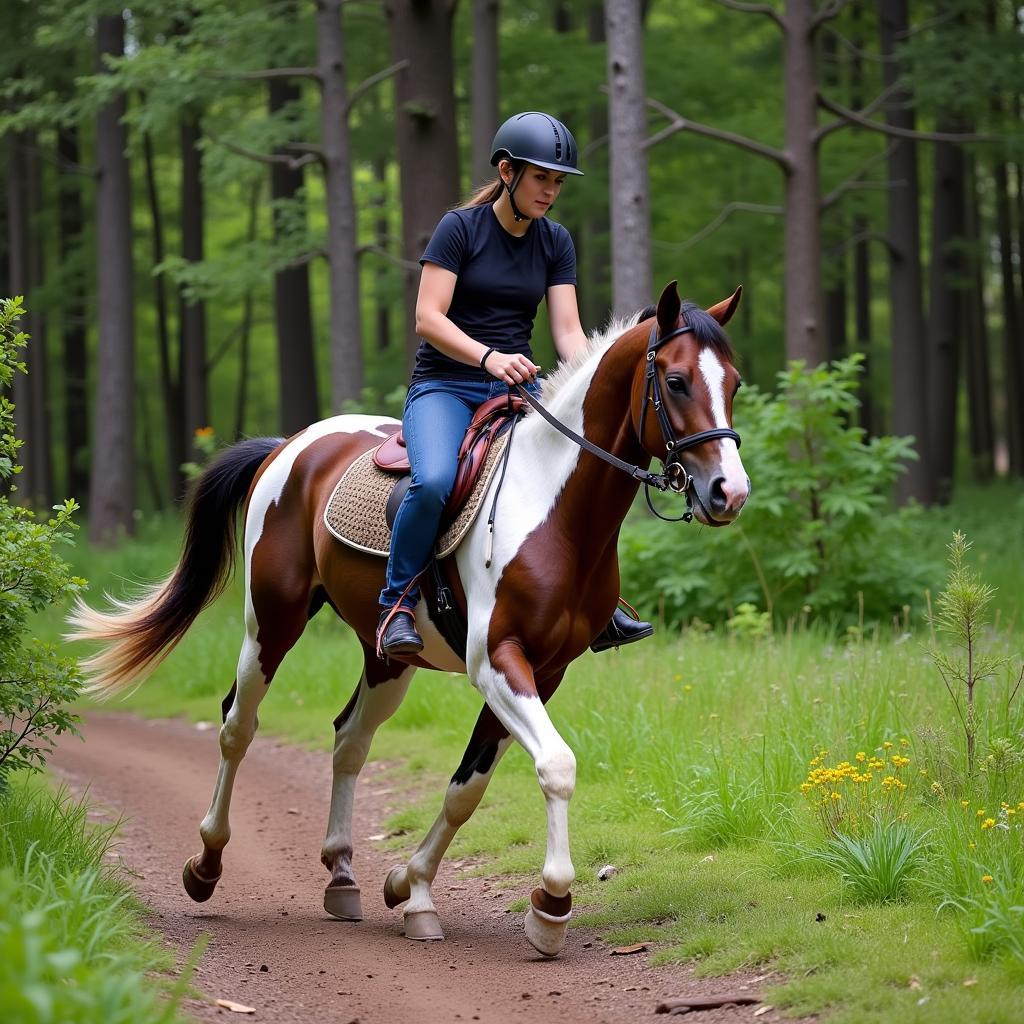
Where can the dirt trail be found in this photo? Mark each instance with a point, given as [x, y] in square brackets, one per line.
[273, 947]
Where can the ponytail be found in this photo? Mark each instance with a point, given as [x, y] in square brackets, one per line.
[488, 192]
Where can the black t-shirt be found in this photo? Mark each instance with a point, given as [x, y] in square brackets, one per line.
[501, 281]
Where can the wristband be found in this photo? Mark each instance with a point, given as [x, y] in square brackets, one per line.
[483, 358]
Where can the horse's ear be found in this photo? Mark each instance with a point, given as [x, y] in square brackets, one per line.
[724, 310]
[669, 306]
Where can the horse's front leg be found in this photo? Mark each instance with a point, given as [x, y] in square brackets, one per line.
[411, 883]
[505, 678]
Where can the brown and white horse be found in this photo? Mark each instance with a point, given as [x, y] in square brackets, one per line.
[551, 585]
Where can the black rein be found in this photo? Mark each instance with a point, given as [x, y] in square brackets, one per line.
[675, 477]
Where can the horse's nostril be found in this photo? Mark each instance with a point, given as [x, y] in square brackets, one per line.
[716, 492]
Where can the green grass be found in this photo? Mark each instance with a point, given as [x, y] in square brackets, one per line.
[691, 751]
[73, 945]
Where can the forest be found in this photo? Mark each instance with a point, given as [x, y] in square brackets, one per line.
[214, 208]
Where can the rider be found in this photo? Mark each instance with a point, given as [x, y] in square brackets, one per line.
[485, 270]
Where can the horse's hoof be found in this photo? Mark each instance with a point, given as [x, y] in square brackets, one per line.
[545, 932]
[396, 887]
[199, 888]
[343, 902]
[423, 926]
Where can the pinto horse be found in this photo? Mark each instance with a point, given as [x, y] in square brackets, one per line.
[551, 584]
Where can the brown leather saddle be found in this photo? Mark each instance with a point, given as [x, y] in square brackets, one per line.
[490, 420]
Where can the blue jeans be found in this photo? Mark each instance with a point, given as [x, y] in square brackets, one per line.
[437, 413]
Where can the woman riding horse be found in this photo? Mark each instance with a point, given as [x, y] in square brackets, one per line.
[485, 270]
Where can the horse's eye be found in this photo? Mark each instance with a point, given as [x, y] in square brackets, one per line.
[677, 385]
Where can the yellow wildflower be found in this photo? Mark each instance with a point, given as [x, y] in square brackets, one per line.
[981, 812]
[204, 432]
[965, 803]
[986, 879]
[887, 745]
[861, 756]
[988, 823]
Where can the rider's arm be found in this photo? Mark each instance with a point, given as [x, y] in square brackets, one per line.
[564, 315]
[437, 286]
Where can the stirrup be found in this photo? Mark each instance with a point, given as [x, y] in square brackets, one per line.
[398, 636]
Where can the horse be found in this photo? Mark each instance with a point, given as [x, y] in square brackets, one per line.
[551, 583]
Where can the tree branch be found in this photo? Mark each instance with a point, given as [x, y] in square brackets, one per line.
[861, 236]
[852, 47]
[368, 83]
[854, 186]
[266, 73]
[832, 126]
[766, 9]
[391, 257]
[827, 13]
[291, 162]
[855, 180]
[723, 215]
[852, 117]
[678, 123]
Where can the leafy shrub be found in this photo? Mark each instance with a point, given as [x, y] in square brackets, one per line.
[817, 531]
[36, 684]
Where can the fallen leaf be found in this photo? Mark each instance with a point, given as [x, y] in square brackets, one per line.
[915, 982]
[762, 1009]
[969, 982]
[637, 947]
[294, 810]
[235, 1007]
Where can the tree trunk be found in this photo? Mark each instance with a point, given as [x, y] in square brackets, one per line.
[909, 350]
[979, 382]
[71, 221]
[484, 96]
[835, 230]
[627, 114]
[245, 328]
[20, 283]
[862, 259]
[298, 401]
[346, 330]
[173, 413]
[112, 483]
[594, 282]
[1013, 354]
[804, 334]
[946, 321]
[192, 315]
[421, 33]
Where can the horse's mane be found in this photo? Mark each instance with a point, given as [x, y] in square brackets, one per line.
[706, 329]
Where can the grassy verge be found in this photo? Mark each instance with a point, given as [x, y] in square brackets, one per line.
[73, 944]
[692, 752]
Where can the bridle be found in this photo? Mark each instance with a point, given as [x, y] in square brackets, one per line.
[676, 475]
[675, 478]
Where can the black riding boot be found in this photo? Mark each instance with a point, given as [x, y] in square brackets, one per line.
[621, 629]
[400, 635]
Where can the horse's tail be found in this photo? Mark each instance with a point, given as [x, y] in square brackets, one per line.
[138, 634]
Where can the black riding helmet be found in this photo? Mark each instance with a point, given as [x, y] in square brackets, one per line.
[534, 138]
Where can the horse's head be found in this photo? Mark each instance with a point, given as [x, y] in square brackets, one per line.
[682, 405]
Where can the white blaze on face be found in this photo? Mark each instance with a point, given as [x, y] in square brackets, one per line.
[736, 485]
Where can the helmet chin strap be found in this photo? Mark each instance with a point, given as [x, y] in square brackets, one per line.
[511, 187]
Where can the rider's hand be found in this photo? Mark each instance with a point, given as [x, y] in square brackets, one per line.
[511, 368]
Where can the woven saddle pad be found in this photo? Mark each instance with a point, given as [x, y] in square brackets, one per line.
[355, 512]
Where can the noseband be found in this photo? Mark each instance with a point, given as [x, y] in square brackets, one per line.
[675, 477]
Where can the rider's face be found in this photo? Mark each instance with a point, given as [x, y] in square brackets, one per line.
[538, 188]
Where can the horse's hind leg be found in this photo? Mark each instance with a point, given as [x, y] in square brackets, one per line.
[381, 688]
[281, 622]
[412, 882]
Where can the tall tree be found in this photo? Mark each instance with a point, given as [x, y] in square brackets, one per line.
[192, 311]
[112, 482]
[630, 206]
[484, 94]
[296, 361]
[909, 350]
[71, 221]
[421, 42]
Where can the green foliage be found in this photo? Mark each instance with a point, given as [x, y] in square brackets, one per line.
[817, 533]
[878, 866]
[962, 616]
[36, 683]
[72, 947]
